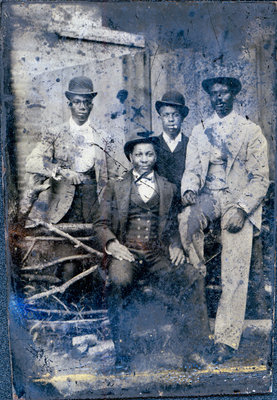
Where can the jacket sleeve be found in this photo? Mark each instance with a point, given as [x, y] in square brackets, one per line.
[191, 179]
[40, 161]
[172, 229]
[103, 220]
[257, 170]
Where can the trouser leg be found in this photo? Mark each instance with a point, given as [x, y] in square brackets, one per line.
[235, 264]
[192, 222]
[121, 277]
[187, 305]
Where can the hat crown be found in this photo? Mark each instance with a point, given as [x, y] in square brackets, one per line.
[234, 84]
[174, 97]
[80, 85]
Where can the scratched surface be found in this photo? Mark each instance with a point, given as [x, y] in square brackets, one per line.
[61, 343]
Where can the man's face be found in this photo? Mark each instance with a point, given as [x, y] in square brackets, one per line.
[80, 106]
[171, 119]
[143, 157]
[222, 99]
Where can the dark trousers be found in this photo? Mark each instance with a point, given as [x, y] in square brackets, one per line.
[182, 302]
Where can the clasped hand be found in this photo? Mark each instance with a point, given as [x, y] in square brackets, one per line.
[235, 218]
[75, 178]
[189, 198]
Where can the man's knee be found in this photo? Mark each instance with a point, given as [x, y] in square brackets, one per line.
[191, 221]
[120, 273]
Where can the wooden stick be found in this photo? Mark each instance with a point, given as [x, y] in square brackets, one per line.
[66, 227]
[55, 238]
[47, 311]
[62, 288]
[43, 278]
[29, 249]
[40, 267]
[71, 238]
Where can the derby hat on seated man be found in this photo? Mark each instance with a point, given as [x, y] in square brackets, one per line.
[140, 137]
[80, 85]
[233, 83]
[174, 99]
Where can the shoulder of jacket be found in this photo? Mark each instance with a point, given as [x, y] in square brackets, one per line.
[251, 127]
[166, 181]
[54, 132]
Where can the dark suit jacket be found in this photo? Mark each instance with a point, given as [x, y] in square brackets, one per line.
[112, 220]
[171, 165]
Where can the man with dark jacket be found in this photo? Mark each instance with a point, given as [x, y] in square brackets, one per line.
[172, 141]
[137, 229]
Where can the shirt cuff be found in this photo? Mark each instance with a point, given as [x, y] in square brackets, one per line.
[108, 242]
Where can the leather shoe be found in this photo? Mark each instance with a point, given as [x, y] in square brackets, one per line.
[223, 352]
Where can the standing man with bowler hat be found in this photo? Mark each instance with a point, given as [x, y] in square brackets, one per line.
[226, 178]
[66, 172]
[172, 141]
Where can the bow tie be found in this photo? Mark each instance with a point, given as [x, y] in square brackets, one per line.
[146, 176]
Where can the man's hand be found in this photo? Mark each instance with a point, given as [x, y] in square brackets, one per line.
[119, 251]
[176, 255]
[74, 177]
[189, 198]
[235, 220]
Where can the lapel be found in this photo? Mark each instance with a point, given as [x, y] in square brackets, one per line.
[204, 150]
[122, 190]
[63, 144]
[166, 196]
[233, 143]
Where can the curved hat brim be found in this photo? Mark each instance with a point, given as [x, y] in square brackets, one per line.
[233, 83]
[160, 103]
[69, 94]
[129, 146]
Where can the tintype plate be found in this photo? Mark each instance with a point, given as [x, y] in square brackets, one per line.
[139, 154]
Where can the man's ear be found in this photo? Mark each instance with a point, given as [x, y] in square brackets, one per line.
[131, 157]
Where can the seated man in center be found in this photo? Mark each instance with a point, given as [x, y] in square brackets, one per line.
[137, 229]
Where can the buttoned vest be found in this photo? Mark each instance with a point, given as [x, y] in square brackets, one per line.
[143, 221]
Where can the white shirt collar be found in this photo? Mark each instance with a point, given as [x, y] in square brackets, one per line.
[230, 117]
[172, 143]
[75, 127]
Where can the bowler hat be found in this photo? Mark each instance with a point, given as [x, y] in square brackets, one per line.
[233, 83]
[80, 85]
[175, 99]
[137, 138]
